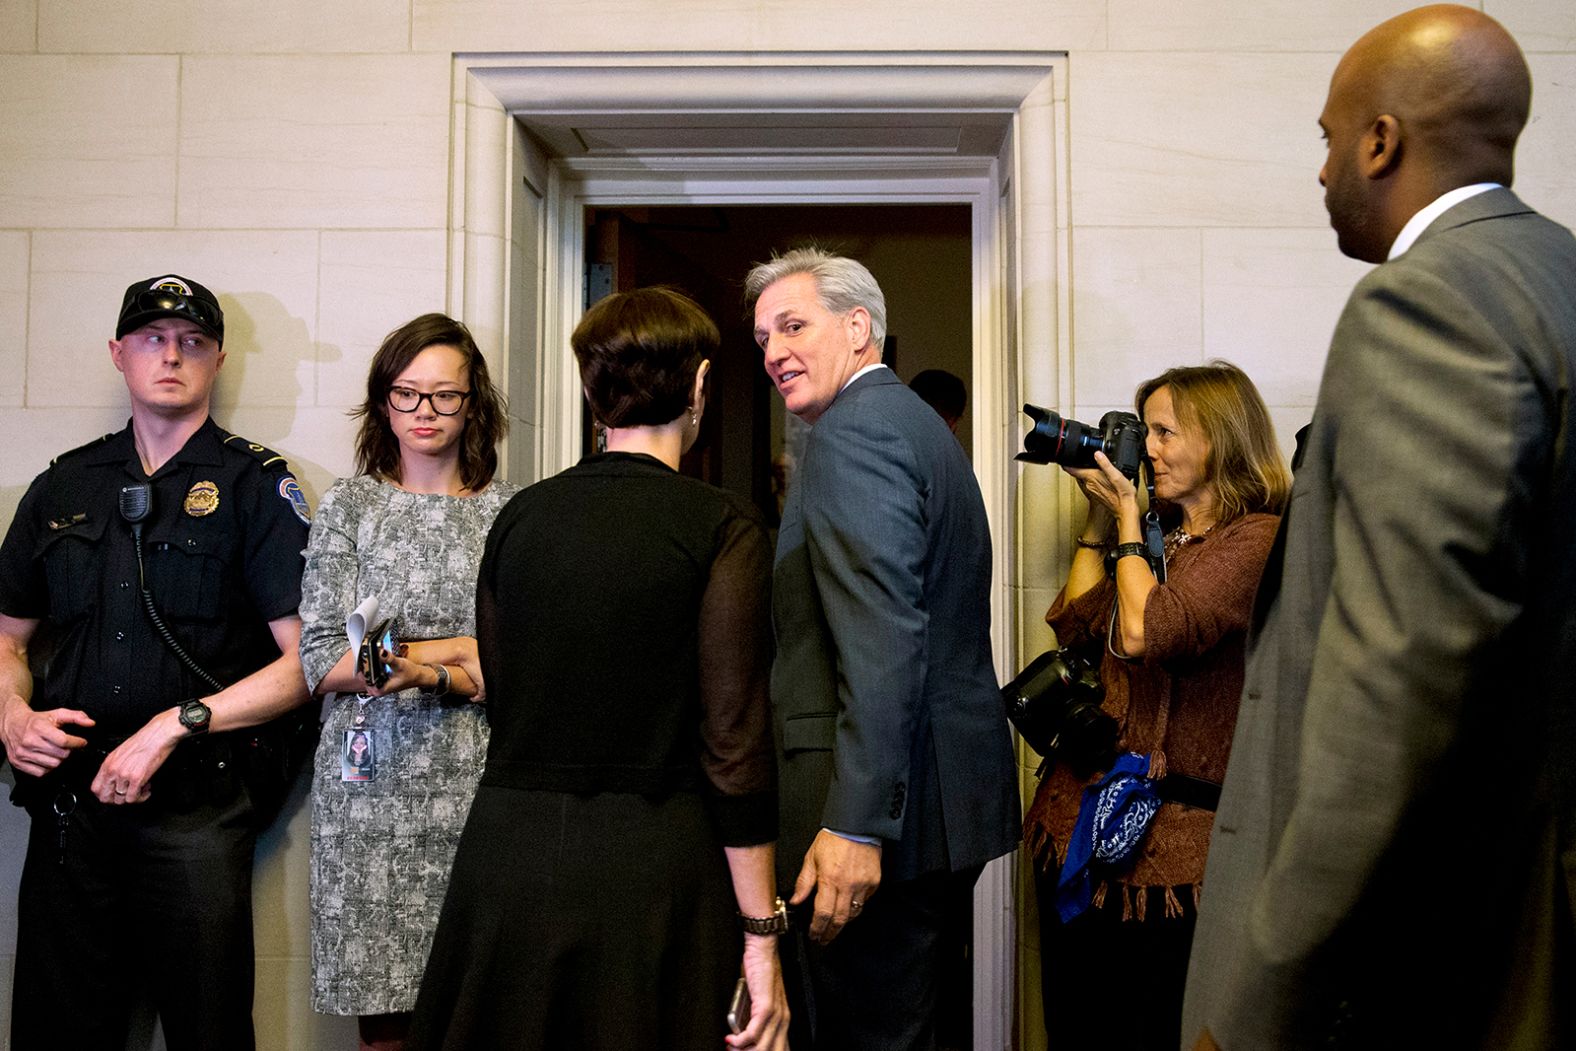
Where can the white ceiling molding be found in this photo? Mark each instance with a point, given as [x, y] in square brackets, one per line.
[927, 104]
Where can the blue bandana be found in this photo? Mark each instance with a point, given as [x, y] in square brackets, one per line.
[1112, 820]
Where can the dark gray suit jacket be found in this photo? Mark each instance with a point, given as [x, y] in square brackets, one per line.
[1392, 862]
[889, 718]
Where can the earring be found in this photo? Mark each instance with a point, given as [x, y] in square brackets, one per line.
[694, 418]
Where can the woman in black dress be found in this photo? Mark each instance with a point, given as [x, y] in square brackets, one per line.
[626, 816]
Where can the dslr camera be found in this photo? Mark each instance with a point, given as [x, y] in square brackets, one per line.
[1055, 704]
[1056, 439]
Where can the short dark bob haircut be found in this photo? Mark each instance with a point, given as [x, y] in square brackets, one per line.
[486, 419]
[638, 354]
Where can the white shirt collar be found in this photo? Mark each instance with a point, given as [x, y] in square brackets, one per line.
[861, 372]
[1444, 202]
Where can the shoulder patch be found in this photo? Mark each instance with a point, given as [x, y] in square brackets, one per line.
[290, 489]
[264, 455]
[94, 444]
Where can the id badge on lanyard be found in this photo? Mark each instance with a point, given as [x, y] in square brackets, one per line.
[358, 754]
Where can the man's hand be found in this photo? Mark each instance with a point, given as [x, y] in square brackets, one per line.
[843, 874]
[125, 774]
[38, 742]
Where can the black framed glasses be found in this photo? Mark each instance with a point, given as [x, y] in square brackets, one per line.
[443, 402]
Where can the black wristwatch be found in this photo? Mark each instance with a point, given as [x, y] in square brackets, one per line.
[776, 923]
[195, 715]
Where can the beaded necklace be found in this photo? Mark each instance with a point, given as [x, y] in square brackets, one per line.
[1179, 538]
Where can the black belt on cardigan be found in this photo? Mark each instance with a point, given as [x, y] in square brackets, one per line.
[1189, 791]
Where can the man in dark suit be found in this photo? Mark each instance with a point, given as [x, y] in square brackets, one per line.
[1393, 860]
[896, 760]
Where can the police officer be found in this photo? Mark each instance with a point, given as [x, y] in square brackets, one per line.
[152, 577]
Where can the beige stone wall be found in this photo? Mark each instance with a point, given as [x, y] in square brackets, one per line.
[295, 156]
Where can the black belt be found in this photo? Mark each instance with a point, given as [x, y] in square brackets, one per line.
[195, 768]
[1189, 791]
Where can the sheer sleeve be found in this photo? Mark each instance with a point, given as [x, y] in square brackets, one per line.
[487, 609]
[735, 662]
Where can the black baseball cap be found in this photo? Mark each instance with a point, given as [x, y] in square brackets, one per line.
[170, 296]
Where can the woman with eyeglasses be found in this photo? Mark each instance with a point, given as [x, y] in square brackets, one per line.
[407, 530]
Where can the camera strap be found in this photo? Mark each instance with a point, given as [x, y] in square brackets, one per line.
[1154, 536]
[1154, 548]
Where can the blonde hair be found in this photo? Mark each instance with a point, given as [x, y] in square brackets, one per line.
[1244, 466]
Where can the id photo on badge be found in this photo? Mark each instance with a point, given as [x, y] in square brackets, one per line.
[358, 760]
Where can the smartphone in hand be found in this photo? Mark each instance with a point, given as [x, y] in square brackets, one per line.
[739, 1008]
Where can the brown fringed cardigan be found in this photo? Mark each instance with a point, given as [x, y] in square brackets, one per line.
[1179, 700]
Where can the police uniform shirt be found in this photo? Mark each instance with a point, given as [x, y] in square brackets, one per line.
[222, 547]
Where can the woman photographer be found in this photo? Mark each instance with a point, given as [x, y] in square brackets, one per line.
[628, 810]
[1172, 666]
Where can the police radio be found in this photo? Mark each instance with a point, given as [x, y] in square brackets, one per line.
[136, 504]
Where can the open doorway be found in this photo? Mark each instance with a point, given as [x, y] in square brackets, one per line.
[921, 254]
[539, 138]
[922, 257]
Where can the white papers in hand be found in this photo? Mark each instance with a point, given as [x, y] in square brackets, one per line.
[359, 620]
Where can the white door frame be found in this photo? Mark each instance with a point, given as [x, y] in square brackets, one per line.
[517, 256]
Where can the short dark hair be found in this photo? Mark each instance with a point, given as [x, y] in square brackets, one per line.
[486, 418]
[638, 354]
[942, 391]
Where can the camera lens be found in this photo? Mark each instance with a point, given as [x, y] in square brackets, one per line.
[1056, 439]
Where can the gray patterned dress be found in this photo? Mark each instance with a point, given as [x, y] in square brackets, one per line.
[381, 850]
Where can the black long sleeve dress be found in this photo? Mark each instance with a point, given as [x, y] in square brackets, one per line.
[624, 629]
